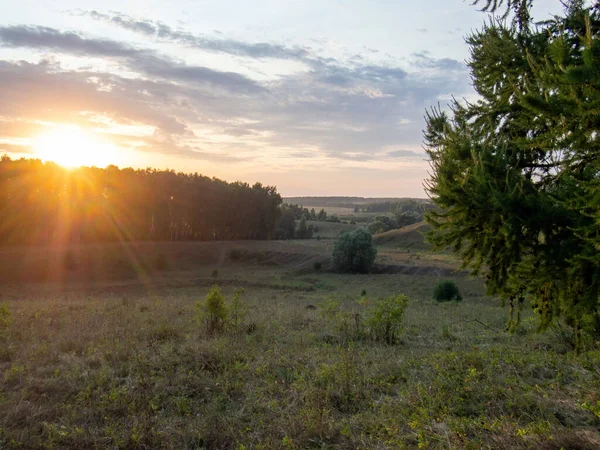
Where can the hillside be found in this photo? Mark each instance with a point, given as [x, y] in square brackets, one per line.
[410, 237]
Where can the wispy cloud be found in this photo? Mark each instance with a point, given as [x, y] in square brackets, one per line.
[350, 111]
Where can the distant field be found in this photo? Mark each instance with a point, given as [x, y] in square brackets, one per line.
[104, 351]
[332, 210]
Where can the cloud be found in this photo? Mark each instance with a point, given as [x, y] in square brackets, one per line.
[52, 39]
[344, 111]
[163, 32]
[145, 61]
[425, 61]
[405, 154]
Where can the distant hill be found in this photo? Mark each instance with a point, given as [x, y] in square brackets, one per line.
[345, 202]
[410, 237]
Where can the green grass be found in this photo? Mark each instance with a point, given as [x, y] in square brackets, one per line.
[129, 367]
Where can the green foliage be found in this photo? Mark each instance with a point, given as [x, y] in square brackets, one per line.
[516, 175]
[385, 318]
[286, 227]
[405, 219]
[304, 231]
[353, 251]
[383, 321]
[215, 316]
[212, 313]
[381, 224]
[447, 291]
[317, 265]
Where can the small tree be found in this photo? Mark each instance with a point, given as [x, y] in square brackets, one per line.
[353, 251]
[447, 291]
[302, 232]
[286, 227]
[212, 312]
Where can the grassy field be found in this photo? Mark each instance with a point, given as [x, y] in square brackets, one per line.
[104, 351]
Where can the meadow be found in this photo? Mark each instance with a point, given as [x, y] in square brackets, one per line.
[102, 349]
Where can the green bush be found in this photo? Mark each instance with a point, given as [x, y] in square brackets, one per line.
[385, 318]
[447, 291]
[212, 312]
[215, 315]
[353, 251]
[317, 265]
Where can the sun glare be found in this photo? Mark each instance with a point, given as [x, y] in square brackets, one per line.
[73, 147]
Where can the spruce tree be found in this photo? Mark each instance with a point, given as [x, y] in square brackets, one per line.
[516, 174]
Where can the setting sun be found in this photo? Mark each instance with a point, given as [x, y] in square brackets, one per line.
[73, 147]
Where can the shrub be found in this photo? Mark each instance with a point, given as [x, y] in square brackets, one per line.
[385, 318]
[317, 265]
[447, 291]
[212, 312]
[214, 315]
[214, 273]
[353, 251]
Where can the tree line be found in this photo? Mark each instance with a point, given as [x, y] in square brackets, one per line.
[43, 203]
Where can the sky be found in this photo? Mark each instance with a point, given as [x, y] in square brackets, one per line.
[314, 97]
